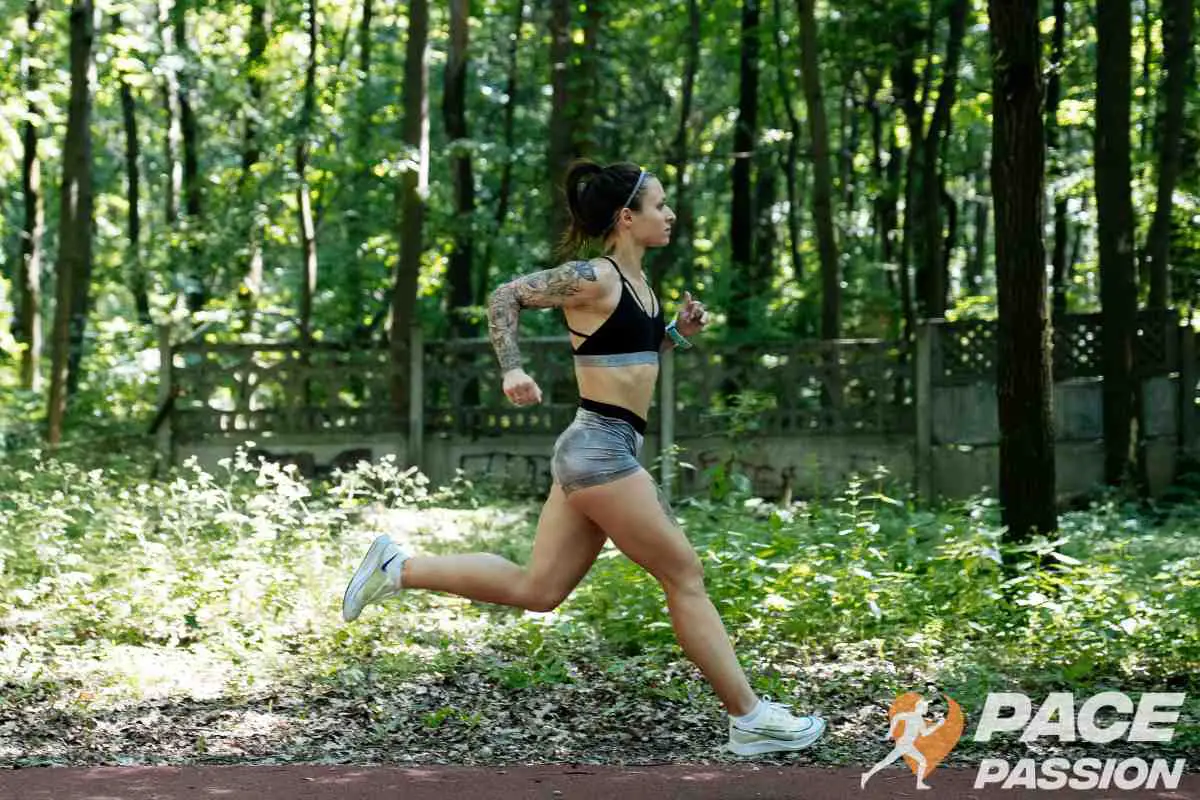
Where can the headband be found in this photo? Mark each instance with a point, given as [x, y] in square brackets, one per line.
[637, 185]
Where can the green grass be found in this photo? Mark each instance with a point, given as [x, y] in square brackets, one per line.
[115, 589]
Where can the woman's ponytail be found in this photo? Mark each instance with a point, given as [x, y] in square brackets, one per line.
[595, 195]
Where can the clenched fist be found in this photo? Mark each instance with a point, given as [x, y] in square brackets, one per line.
[520, 388]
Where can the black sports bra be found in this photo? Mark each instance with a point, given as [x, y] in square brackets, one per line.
[628, 336]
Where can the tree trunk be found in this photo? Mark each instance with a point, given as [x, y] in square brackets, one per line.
[28, 322]
[950, 209]
[585, 83]
[904, 81]
[1024, 388]
[363, 177]
[197, 291]
[887, 211]
[1148, 121]
[504, 194]
[845, 156]
[75, 223]
[978, 263]
[137, 274]
[412, 190]
[931, 277]
[765, 192]
[793, 150]
[1114, 206]
[1177, 48]
[681, 233]
[172, 169]
[454, 113]
[742, 213]
[882, 232]
[1058, 260]
[818, 129]
[308, 236]
[560, 127]
[248, 183]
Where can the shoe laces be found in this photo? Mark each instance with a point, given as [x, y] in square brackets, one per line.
[776, 708]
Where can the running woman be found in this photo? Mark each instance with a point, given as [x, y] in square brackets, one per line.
[600, 490]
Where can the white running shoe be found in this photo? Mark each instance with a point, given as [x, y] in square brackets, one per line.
[775, 729]
[370, 583]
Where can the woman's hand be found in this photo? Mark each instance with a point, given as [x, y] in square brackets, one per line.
[692, 317]
[520, 388]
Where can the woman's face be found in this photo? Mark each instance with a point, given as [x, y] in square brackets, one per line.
[651, 227]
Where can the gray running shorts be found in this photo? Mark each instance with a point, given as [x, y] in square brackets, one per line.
[593, 450]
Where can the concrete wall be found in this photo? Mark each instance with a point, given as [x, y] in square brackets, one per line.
[966, 435]
[814, 465]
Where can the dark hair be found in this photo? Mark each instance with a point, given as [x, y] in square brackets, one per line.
[595, 195]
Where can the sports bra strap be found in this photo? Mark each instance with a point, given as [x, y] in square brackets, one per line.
[637, 299]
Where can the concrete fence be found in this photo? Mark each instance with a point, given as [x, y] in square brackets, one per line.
[796, 417]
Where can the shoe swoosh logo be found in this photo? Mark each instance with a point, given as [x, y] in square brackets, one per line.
[774, 729]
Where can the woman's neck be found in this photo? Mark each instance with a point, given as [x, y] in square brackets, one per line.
[629, 255]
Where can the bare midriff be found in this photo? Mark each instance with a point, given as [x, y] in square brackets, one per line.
[630, 387]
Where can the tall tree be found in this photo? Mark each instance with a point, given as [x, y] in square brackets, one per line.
[308, 235]
[818, 129]
[792, 158]
[196, 290]
[977, 264]
[136, 270]
[585, 81]
[561, 120]
[504, 193]
[887, 201]
[413, 183]
[1059, 278]
[1114, 206]
[681, 235]
[454, 112]
[742, 212]
[932, 277]
[74, 264]
[28, 322]
[1023, 383]
[356, 223]
[251, 152]
[1177, 50]
[172, 169]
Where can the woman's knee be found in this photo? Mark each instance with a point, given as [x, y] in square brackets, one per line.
[686, 574]
[540, 598]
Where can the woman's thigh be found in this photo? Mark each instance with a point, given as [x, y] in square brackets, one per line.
[564, 549]
[632, 512]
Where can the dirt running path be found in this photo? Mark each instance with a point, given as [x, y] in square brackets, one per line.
[569, 782]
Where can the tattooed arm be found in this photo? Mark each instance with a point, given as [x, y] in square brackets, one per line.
[571, 284]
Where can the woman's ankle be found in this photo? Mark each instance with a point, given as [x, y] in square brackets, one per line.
[746, 710]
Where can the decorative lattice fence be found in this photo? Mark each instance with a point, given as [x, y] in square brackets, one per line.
[928, 413]
[965, 351]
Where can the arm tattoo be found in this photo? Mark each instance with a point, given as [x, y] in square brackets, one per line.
[547, 289]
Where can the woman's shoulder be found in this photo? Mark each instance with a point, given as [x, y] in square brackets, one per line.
[598, 269]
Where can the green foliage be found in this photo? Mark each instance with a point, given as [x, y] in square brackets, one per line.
[237, 573]
[1109, 597]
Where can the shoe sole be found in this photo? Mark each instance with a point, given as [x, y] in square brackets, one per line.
[776, 745]
[369, 564]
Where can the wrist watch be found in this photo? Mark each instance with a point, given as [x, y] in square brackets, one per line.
[677, 337]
